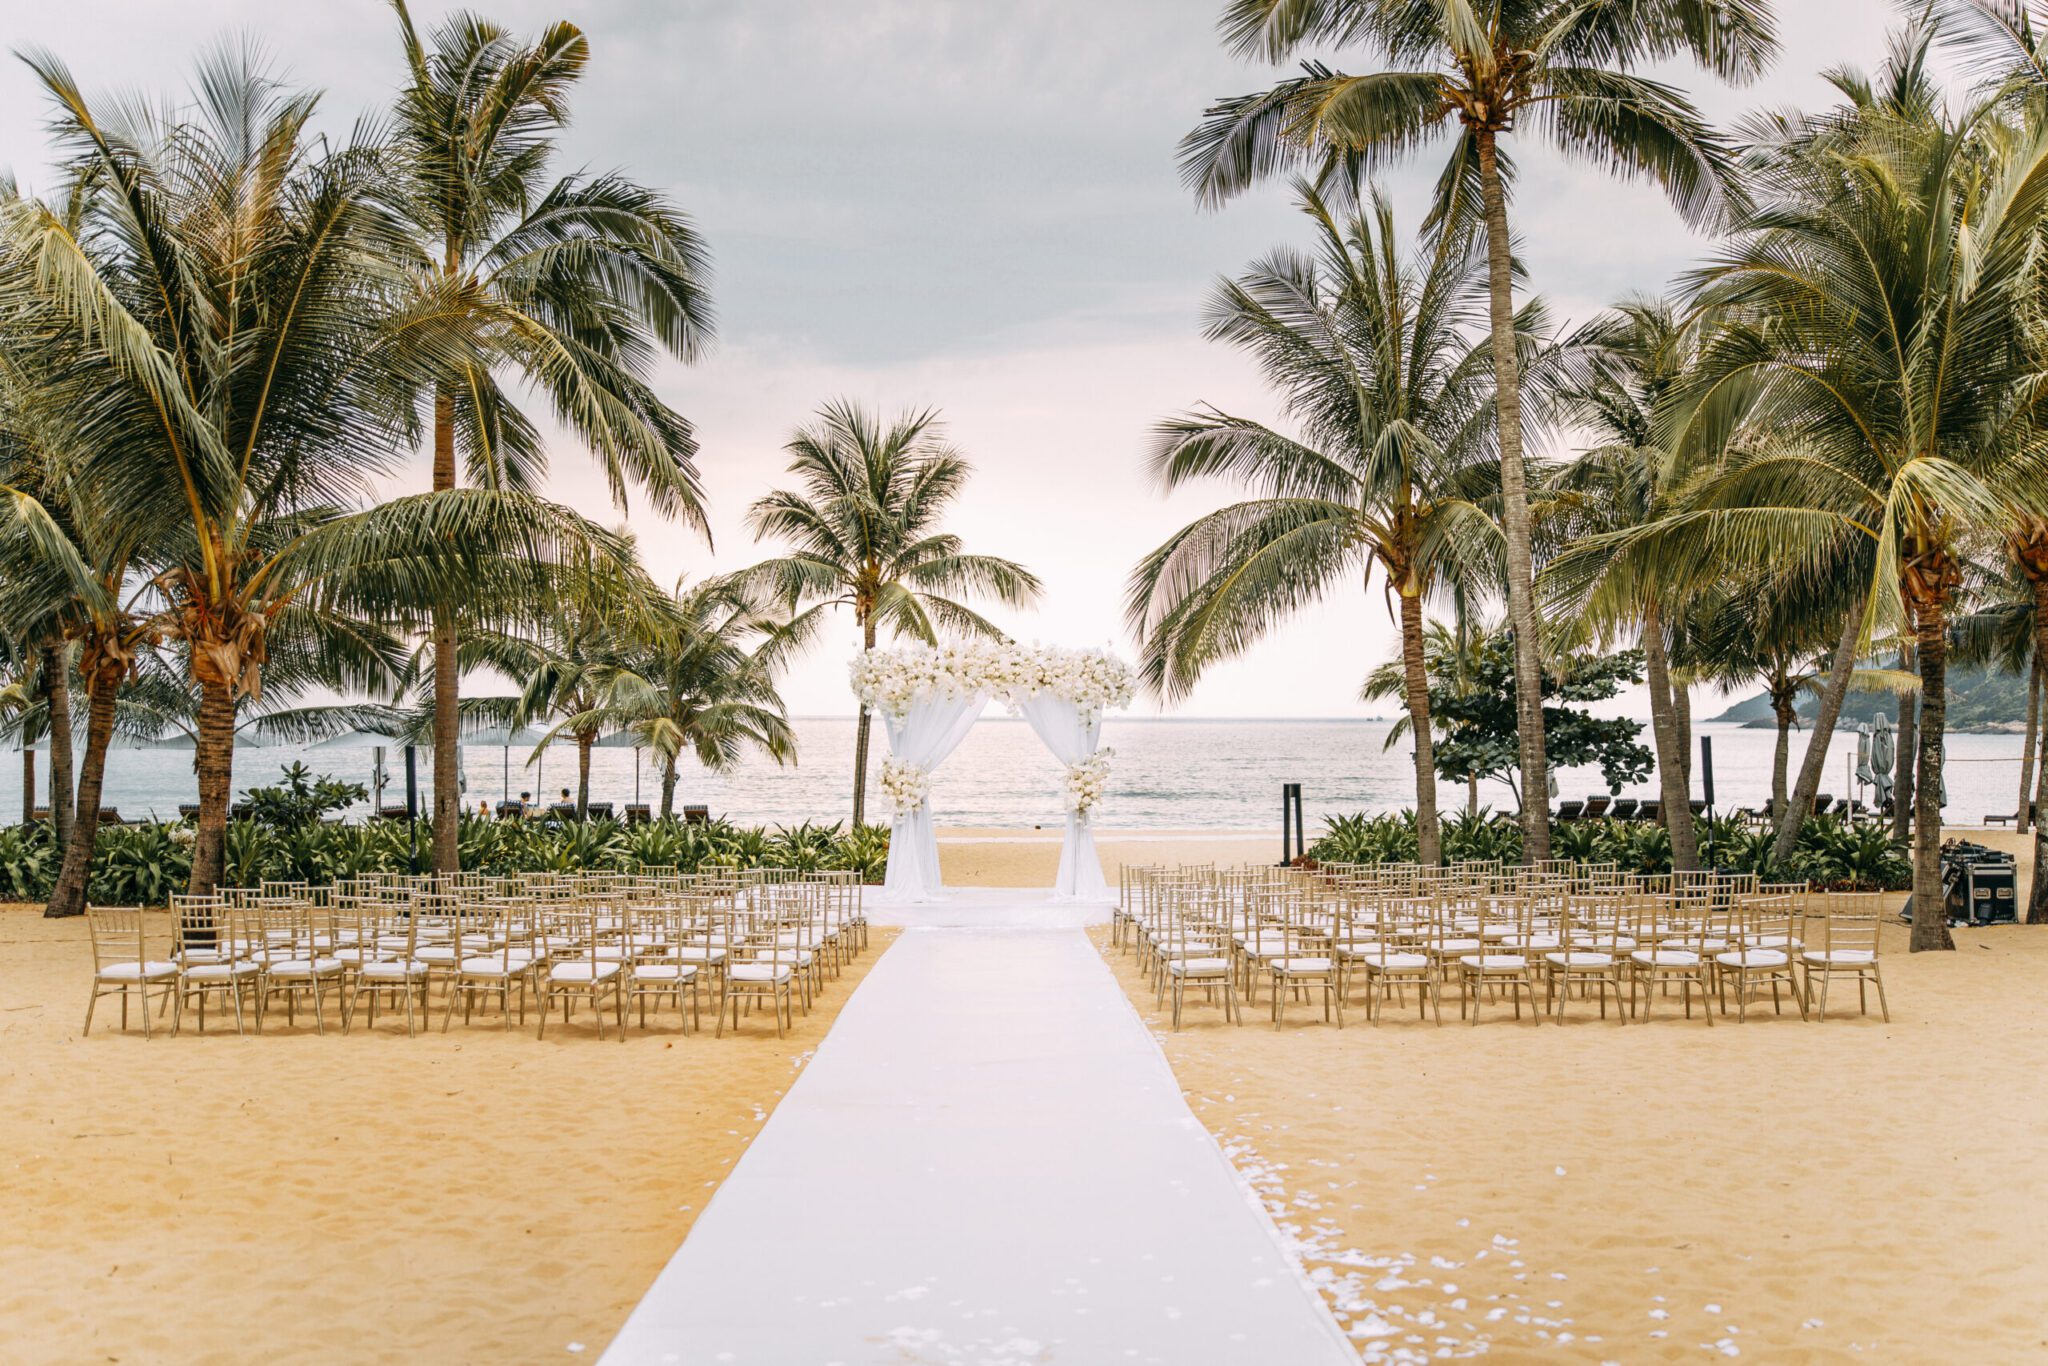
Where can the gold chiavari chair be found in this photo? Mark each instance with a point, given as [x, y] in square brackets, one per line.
[1764, 926]
[1844, 943]
[761, 968]
[567, 937]
[128, 959]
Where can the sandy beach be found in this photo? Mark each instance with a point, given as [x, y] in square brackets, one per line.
[474, 1196]
[1838, 1192]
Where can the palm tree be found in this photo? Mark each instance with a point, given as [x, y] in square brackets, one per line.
[1875, 306]
[1628, 360]
[1383, 368]
[1478, 71]
[1450, 654]
[231, 277]
[568, 286]
[696, 687]
[863, 531]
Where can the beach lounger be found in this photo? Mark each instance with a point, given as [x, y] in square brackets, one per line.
[600, 811]
[1822, 803]
[1652, 809]
[1625, 808]
[1570, 811]
[696, 815]
[1596, 807]
[638, 813]
[2033, 817]
[111, 815]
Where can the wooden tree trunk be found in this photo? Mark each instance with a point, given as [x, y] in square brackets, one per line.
[668, 787]
[214, 758]
[1830, 710]
[57, 693]
[2023, 821]
[1672, 789]
[584, 740]
[1902, 789]
[2037, 898]
[102, 692]
[1415, 682]
[860, 740]
[1930, 910]
[1784, 709]
[447, 823]
[1515, 522]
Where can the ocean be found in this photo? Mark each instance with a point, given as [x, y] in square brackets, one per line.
[1168, 774]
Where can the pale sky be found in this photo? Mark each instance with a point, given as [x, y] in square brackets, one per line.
[967, 205]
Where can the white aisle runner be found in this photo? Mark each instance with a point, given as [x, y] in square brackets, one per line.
[988, 1161]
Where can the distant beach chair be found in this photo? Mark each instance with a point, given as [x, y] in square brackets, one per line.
[638, 813]
[1822, 803]
[390, 813]
[1625, 808]
[600, 811]
[511, 811]
[1651, 809]
[39, 816]
[188, 811]
[1570, 811]
[1698, 805]
[562, 811]
[111, 815]
[1596, 807]
[696, 815]
[2033, 816]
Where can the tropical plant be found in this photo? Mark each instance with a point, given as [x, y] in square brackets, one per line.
[567, 287]
[1380, 366]
[302, 798]
[1478, 71]
[862, 529]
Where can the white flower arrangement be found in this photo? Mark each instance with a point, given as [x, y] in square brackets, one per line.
[905, 785]
[1087, 782]
[893, 680]
[184, 836]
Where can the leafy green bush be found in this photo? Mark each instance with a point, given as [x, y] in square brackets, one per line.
[302, 798]
[28, 863]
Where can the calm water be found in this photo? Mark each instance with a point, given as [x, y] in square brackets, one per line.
[1168, 774]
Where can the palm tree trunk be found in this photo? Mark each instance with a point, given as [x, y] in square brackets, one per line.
[1902, 790]
[1472, 794]
[1785, 710]
[102, 691]
[1415, 682]
[2037, 897]
[1930, 908]
[57, 694]
[668, 787]
[2022, 821]
[1830, 710]
[447, 674]
[1681, 711]
[1515, 507]
[860, 739]
[1672, 789]
[584, 740]
[214, 758]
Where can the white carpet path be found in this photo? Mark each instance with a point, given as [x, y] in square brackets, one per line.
[988, 1161]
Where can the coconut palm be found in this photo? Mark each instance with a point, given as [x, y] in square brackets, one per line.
[863, 531]
[234, 280]
[1450, 654]
[1383, 367]
[1875, 305]
[1474, 72]
[696, 687]
[569, 287]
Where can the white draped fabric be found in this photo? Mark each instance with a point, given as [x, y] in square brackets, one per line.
[924, 735]
[1072, 737]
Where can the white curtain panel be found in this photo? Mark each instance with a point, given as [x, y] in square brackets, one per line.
[932, 729]
[1071, 737]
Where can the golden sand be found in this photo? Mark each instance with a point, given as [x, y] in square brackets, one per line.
[1847, 1191]
[474, 1196]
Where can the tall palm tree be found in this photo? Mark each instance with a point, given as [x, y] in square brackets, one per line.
[569, 288]
[1876, 302]
[698, 688]
[1383, 367]
[234, 277]
[863, 531]
[1627, 362]
[1477, 72]
[1450, 655]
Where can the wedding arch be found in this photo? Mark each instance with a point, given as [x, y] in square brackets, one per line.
[929, 699]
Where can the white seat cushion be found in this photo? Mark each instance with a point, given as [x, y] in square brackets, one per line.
[1199, 967]
[698, 953]
[1839, 957]
[1665, 958]
[221, 972]
[1393, 960]
[305, 967]
[393, 970]
[760, 972]
[1580, 958]
[1457, 946]
[584, 972]
[1495, 962]
[1752, 958]
[664, 972]
[137, 972]
[495, 966]
[1301, 965]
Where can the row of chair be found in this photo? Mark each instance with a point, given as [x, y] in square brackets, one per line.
[1536, 937]
[769, 938]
